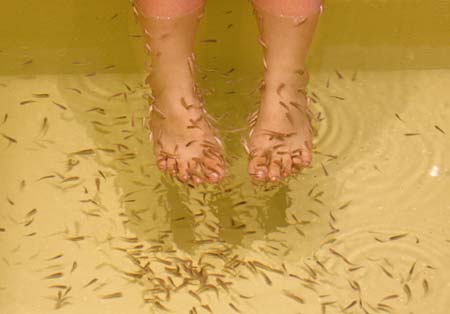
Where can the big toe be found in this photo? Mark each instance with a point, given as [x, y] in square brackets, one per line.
[213, 170]
[162, 163]
[183, 171]
[257, 168]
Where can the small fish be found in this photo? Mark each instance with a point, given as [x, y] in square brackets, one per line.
[352, 304]
[76, 239]
[54, 276]
[55, 257]
[9, 138]
[411, 134]
[229, 26]
[74, 266]
[41, 95]
[114, 16]
[28, 62]
[59, 105]
[426, 287]
[324, 169]
[234, 307]
[112, 295]
[407, 290]
[69, 179]
[389, 297]
[293, 296]
[398, 117]
[90, 282]
[5, 118]
[109, 67]
[46, 177]
[74, 89]
[387, 273]
[439, 129]
[25, 102]
[338, 97]
[399, 236]
[411, 271]
[31, 212]
[354, 76]
[209, 41]
[341, 256]
[88, 151]
[339, 75]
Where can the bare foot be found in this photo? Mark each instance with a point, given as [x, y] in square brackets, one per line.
[185, 145]
[280, 142]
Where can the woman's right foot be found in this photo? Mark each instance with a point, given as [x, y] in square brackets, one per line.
[185, 145]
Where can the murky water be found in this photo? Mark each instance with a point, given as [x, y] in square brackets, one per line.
[89, 225]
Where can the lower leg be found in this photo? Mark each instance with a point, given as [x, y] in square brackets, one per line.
[184, 141]
[281, 139]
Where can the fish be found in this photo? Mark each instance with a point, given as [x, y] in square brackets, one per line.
[324, 169]
[113, 295]
[439, 129]
[74, 266]
[294, 297]
[399, 236]
[234, 307]
[339, 75]
[88, 151]
[90, 282]
[426, 287]
[55, 257]
[411, 134]
[54, 276]
[209, 41]
[41, 95]
[31, 212]
[341, 256]
[398, 117]
[9, 138]
[411, 271]
[74, 89]
[407, 290]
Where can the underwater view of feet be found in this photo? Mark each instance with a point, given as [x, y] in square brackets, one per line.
[185, 144]
[222, 157]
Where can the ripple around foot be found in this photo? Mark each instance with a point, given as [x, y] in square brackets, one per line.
[340, 131]
[411, 265]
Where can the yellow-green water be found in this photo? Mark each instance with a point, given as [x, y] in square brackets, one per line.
[89, 225]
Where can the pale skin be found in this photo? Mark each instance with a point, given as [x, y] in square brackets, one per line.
[185, 143]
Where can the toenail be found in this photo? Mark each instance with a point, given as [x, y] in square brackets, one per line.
[274, 179]
[259, 173]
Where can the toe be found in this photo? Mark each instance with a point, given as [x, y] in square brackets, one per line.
[274, 169]
[286, 165]
[195, 173]
[306, 155]
[257, 168]
[171, 165]
[183, 170]
[162, 163]
[212, 170]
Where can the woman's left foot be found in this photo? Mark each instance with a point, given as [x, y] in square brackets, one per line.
[280, 142]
